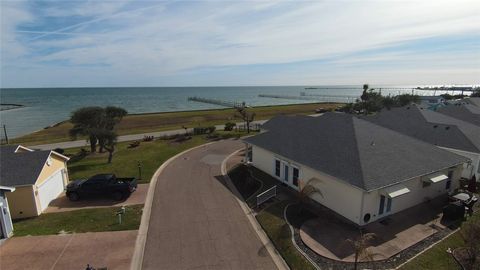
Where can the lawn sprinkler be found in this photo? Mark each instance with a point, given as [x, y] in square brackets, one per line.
[119, 213]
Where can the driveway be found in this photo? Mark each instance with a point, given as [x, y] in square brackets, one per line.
[196, 222]
[63, 204]
[113, 250]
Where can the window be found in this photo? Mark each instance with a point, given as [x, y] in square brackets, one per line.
[295, 176]
[285, 175]
[389, 204]
[448, 184]
[250, 154]
[277, 167]
[382, 204]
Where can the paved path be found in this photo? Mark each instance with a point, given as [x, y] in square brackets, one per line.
[112, 250]
[196, 222]
[123, 138]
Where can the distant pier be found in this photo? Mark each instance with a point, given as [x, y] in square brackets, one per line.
[312, 97]
[225, 103]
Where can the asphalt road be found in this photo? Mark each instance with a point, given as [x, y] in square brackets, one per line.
[123, 138]
[196, 222]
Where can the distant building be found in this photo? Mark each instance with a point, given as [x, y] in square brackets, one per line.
[446, 132]
[365, 172]
[38, 177]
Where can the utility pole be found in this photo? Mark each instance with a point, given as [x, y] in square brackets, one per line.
[5, 132]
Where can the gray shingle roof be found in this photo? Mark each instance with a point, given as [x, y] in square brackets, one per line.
[22, 168]
[410, 120]
[354, 150]
[466, 112]
[474, 100]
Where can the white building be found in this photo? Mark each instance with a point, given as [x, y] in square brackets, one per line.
[365, 172]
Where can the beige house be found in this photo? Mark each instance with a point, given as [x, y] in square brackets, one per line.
[38, 177]
[365, 172]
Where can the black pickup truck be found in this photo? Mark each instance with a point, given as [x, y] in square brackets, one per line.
[101, 185]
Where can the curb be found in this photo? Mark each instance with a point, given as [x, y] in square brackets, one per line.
[276, 257]
[314, 264]
[137, 259]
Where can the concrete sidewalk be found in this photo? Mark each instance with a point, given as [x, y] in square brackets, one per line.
[124, 138]
[112, 250]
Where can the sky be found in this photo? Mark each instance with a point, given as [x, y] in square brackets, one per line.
[213, 43]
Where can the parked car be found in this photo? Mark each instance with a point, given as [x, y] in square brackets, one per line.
[101, 185]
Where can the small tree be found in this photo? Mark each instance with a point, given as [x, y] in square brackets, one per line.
[306, 190]
[246, 116]
[360, 247]
[86, 122]
[470, 233]
[109, 140]
[364, 97]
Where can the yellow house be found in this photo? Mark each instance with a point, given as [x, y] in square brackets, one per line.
[38, 177]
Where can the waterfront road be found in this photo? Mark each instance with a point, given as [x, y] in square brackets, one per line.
[195, 220]
[123, 138]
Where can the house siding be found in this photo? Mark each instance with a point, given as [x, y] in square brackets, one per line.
[7, 226]
[22, 202]
[353, 203]
[418, 194]
[340, 197]
[468, 169]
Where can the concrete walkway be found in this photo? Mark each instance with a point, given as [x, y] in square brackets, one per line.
[63, 204]
[123, 138]
[196, 222]
[112, 250]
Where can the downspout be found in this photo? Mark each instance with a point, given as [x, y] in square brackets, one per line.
[361, 209]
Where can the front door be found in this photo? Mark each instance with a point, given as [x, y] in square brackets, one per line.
[285, 173]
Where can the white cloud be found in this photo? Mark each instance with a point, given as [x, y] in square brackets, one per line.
[168, 39]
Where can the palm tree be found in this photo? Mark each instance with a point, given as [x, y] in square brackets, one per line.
[364, 97]
[306, 191]
[360, 246]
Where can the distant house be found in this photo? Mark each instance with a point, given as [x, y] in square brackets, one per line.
[438, 129]
[6, 225]
[432, 102]
[462, 111]
[38, 177]
[365, 172]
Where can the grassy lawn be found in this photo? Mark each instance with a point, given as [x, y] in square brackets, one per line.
[272, 222]
[142, 123]
[437, 257]
[80, 221]
[124, 164]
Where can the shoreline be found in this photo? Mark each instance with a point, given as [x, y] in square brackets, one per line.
[164, 121]
[189, 111]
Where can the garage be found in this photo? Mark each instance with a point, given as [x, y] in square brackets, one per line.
[50, 189]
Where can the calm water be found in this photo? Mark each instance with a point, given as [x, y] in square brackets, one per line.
[46, 106]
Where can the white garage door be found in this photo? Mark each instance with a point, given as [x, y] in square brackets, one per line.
[50, 189]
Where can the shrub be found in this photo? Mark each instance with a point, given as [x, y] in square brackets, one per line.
[229, 126]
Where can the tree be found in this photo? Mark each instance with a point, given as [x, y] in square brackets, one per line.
[246, 116]
[364, 97]
[86, 122]
[470, 233]
[109, 140]
[306, 191]
[360, 247]
[94, 122]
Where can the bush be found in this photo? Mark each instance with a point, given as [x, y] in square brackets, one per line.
[229, 126]
[203, 130]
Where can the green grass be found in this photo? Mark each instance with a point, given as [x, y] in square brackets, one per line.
[80, 221]
[143, 123]
[124, 164]
[437, 257]
[272, 222]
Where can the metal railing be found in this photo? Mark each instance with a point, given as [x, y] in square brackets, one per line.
[266, 195]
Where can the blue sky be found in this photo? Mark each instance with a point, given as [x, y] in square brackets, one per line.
[207, 43]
